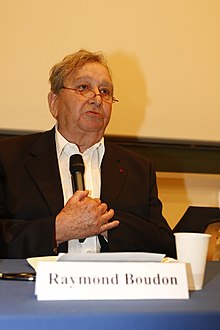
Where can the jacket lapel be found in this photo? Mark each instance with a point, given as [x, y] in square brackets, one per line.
[113, 175]
[42, 165]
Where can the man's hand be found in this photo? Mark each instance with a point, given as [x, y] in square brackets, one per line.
[82, 217]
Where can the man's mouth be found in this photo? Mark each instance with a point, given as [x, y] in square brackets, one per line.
[94, 114]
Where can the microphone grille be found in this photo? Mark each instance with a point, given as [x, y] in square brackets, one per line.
[76, 164]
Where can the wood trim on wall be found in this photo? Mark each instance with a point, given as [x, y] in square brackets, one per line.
[176, 155]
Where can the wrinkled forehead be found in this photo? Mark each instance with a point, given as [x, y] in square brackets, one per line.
[93, 71]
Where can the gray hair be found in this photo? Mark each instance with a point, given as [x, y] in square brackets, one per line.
[61, 70]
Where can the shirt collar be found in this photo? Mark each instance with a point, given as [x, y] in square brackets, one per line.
[61, 142]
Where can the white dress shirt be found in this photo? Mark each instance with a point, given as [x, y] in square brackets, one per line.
[92, 158]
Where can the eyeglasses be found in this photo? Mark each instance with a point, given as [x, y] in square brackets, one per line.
[89, 94]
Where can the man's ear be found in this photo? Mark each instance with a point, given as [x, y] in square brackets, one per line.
[53, 106]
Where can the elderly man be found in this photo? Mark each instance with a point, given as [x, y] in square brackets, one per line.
[118, 210]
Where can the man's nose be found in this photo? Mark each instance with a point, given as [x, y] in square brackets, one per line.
[97, 97]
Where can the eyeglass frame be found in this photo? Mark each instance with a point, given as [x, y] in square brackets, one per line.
[114, 100]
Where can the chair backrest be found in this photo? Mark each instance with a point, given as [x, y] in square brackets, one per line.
[214, 244]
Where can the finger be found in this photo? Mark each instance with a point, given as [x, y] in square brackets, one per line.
[107, 215]
[81, 194]
[108, 226]
[98, 201]
[102, 208]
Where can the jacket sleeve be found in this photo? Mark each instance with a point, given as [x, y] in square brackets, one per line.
[29, 201]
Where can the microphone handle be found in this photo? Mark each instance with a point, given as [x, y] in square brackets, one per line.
[78, 181]
[78, 184]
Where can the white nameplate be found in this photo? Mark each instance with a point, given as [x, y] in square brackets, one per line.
[110, 280]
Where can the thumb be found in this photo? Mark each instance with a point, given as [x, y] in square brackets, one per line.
[81, 194]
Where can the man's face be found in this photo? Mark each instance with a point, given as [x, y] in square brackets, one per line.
[76, 114]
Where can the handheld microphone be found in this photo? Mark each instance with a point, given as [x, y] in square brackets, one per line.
[77, 170]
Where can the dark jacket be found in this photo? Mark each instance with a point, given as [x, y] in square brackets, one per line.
[31, 197]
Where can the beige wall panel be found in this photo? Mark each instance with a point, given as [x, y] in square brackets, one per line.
[178, 191]
[164, 55]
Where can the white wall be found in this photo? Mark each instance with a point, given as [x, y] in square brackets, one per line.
[164, 55]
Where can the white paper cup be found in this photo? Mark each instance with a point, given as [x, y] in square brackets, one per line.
[192, 248]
